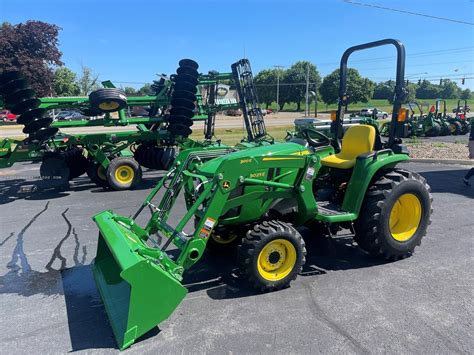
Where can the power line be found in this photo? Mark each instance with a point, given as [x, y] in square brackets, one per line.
[408, 12]
[416, 54]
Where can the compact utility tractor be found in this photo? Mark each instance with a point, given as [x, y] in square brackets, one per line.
[254, 199]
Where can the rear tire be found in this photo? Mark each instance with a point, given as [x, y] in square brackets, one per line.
[97, 174]
[271, 255]
[395, 215]
[433, 131]
[123, 173]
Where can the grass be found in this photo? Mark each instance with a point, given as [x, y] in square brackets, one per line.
[380, 104]
[232, 136]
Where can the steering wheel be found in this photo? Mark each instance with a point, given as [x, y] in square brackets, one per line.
[320, 141]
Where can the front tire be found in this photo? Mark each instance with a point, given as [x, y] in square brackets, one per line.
[123, 173]
[271, 255]
[395, 215]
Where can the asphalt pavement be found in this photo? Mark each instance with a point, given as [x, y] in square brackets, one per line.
[343, 302]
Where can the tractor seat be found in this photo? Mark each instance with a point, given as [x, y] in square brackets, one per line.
[357, 140]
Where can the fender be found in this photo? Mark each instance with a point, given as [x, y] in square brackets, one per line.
[366, 167]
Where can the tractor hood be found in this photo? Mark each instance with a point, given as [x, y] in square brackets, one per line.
[277, 149]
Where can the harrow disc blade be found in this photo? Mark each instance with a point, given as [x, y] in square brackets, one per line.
[35, 125]
[186, 104]
[188, 71]
[12, 85]
[182, 94]
[177, 111]
[19, 95]
[42, 134]
[25, 105]
[188, 63]
[137, 294]
[31, 115]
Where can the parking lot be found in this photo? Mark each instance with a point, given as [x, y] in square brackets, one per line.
[343, 302]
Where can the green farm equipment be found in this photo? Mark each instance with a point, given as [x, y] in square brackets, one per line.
[461, 111]
[115, 159]
[254, 194]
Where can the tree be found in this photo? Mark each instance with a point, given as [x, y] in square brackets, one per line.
[383, 90]
[359, 89]
[466, 94]
[145, 90]
[295, 82]
[266, 83]
[130, 91]
[65, 82]
[88, 81]
[32, 48]
[449, 90]
[427, 90]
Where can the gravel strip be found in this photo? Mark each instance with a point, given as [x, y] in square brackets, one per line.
[438, 150]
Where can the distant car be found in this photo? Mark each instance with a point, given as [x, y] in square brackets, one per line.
[369, 112]
[7, 116]
[69, 116]
[237, 112]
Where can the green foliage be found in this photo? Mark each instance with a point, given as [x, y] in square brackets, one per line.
[145, 90]
[427, 90]
[129, 91]
[88, 81]
[359, 89]
[266, 83]
[383, 90]
[32, 48]
[65, 82]
[466, 94]
[449, 90]
[296, 75]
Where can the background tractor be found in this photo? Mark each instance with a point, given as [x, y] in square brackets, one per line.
[255, 195]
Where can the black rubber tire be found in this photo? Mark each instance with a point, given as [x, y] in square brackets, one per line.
[253, 243]
[118, 162]
[372, 227]
[465, 127]
[76, 162]
[167, 158]
[455, 128]
[95, 175]
[445, 131]
[54, 169]
[223, 241]
[107, 100]
[434, 131]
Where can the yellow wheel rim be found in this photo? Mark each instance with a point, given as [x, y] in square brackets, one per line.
[405, 217]
[109, 105]
[229, 238]
[276, 260]
[124, 174]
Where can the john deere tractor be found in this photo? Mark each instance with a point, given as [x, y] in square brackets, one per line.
[255, 199]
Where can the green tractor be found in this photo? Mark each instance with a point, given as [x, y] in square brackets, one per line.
[254, 198]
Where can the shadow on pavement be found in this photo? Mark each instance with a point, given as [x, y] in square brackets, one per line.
[17, 189]
[220, 277]
[449, 181]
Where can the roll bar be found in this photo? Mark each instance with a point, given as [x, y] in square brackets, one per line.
[399, 94]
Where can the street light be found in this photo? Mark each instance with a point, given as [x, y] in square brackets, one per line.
[278, 67]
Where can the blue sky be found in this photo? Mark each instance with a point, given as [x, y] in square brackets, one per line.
[131, 41]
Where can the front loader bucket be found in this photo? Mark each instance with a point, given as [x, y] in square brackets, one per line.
[137, 292]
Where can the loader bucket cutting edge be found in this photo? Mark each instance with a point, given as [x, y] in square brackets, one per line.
[137, 293]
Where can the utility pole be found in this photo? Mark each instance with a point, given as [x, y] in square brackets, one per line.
[306, 110]
[278, 68]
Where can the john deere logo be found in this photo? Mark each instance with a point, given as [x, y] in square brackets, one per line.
[226, 184]
[222, 91]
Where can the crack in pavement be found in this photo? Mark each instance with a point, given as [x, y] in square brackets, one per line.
[319, 313]
[18, 252]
